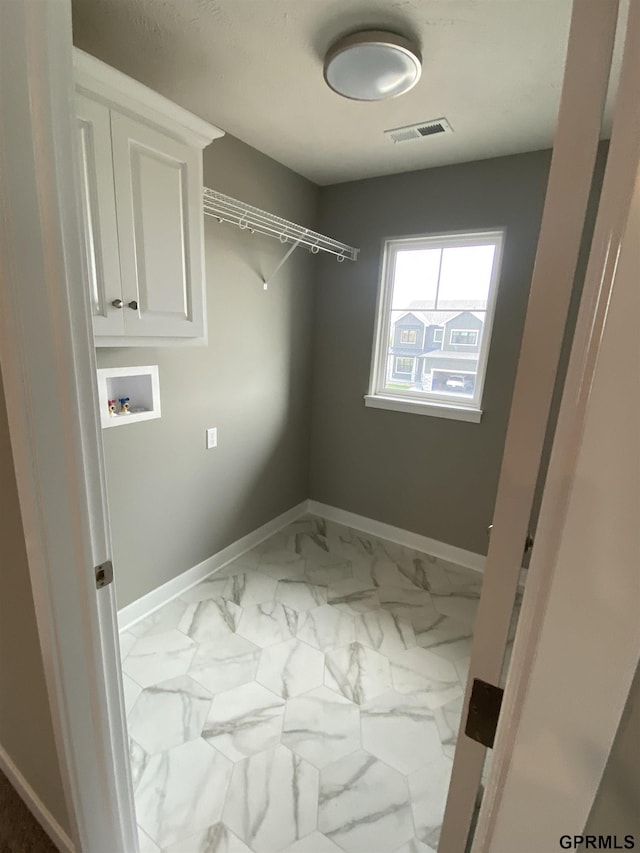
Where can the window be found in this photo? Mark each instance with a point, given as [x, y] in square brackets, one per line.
[449, 281]
[463, 338]
[404, 365]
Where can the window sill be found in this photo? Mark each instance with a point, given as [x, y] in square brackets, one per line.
[434, 410]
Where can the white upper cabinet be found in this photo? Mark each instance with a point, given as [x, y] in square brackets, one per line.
[99, 208]
[159, 214]
[141, 181]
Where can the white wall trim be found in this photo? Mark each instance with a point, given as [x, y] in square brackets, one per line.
[149, 603]
[35, 805]
[468, 559]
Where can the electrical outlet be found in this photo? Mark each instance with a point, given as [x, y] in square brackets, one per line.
[212, 438]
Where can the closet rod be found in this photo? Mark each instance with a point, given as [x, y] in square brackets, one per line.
[245, 216]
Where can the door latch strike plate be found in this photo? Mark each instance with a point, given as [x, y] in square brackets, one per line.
[104, 574]
[484, 710]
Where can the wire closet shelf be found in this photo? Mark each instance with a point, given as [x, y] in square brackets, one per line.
[245, 216]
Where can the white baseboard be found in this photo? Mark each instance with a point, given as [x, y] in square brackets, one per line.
[401, 537]
[157, 598]
[35, 805]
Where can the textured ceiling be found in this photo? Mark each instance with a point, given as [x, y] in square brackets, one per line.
[493, 68]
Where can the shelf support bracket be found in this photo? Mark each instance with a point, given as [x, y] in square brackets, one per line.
[265, 283]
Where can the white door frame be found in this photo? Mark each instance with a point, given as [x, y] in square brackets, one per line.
[584, 90]
[561, 709]
[48, 368]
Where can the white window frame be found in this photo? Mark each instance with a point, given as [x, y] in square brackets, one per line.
[413, 332]
[466, 331]
[411, 399]
[439, 340]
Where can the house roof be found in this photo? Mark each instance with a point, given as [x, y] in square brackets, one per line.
[453, 355]
[429, 318]
[478, 316]
[407, 351]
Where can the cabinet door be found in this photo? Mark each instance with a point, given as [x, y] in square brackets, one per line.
[99, 209]
[158, 184]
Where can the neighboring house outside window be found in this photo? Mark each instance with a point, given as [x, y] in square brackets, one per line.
[463, 337]
[434, 317]
[404, 365]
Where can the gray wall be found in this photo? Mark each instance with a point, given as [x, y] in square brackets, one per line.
[376, 462]
[26, 731]
[173, 503]
[616, 809]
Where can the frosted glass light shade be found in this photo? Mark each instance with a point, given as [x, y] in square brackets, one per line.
[371, 66]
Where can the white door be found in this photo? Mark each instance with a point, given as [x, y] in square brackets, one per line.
[584, 90]
[99, 212]
[48, 370]
[159, 204]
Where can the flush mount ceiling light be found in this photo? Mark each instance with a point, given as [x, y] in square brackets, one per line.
[372, 65]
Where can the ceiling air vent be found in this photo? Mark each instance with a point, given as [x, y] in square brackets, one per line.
[419, 131]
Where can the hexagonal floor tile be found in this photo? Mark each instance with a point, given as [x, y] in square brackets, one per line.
[131, 692]
[400, 730]
[448, 638]
[330, 571]
[420, 671]
[244, 720]
[213, 839]
[290, 668]
[314, 843]
[357, 672]
[209, 620]
[227, 663]
[272, 800]
[321, 726]
[159, 657]
[268, 623]
[300, 594]
[413, 605]
[213, 587]
[447, 719]
[462, 602]
[415, 846]
[426, 571]
[387, 633]
[380, 572]
[429, 787]
[138, 759]
[278, 559]
[163, 619]
[325, 627]
[353, 596]
[364, 805]
[169, 713]
[183, 787]
[250, 588]
[126, 641]
[145, 844]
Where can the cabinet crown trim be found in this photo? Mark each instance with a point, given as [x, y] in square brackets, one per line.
[127, 95]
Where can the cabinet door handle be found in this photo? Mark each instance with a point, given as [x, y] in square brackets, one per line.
[133, 304]
[117, 303]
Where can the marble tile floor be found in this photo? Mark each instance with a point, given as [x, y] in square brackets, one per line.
[304, 699]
